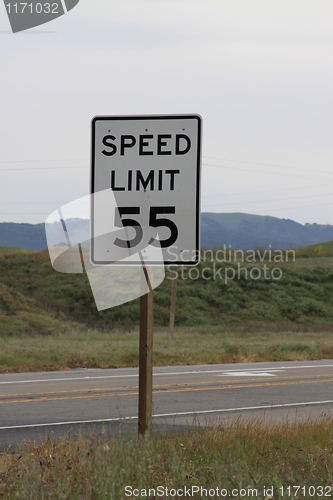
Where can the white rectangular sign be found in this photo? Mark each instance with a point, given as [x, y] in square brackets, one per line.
[151, 166]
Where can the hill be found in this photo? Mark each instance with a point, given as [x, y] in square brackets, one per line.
[36, 299]
[28, 236]
[246, 231]
[239, 230]
[324, 249]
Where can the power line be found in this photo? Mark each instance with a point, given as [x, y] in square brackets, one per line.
[270, 201]
[29, 203]
[35, 213]
[206, 157]
[267, 164]
[206, 164]
[292, 208]
[44, 161]
[266, 191]
[204, 206]
[279, 174]
[38, 168]
[22, 213]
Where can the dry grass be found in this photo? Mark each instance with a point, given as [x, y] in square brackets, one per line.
[200, 345]
[240, 455]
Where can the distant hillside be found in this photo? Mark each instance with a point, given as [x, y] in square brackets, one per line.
[240, 231]
[319, 250]
[29, 236]
[246, 231]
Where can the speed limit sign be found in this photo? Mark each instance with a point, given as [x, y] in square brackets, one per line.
[151, 166]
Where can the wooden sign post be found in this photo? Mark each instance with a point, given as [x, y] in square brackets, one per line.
[146, 355]
[173, 304]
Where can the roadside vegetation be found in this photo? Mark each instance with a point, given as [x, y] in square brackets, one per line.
[322, 250]
[191, 346]
[241, 457]
[49, 320]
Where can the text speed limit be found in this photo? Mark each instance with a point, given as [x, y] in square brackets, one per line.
[150, 165]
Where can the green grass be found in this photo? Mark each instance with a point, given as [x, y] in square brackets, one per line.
[9, 250]
[319, 250]
[49, 320]
[303, 295]
[199, 345]
[238, 456]
[21, 315]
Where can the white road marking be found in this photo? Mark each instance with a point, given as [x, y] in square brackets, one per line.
[133, 375]
[248, 374]
[65, 379]
[165, 415]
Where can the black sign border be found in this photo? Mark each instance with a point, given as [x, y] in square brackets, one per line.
[92, 187]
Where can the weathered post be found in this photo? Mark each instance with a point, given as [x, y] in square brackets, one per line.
[146, 354]
[173, 303]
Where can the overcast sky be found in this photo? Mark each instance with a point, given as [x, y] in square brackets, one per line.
[259, 72]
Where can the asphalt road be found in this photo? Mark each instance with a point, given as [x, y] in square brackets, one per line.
[81, 401]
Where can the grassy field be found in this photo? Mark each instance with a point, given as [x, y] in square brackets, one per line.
[49, 320]
[244, 459]
[302, 295]
[191, 345]
[322, 250]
